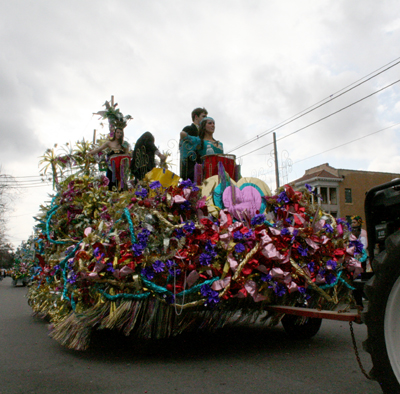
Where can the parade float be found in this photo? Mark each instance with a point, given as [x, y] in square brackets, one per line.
[24, 259]
[164, 255]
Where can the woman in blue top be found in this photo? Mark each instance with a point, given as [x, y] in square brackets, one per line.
[205, 144]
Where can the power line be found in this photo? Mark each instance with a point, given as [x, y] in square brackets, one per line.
[340, 110]
[321, 119]
[341, 145]
[316, 106]
[27, 187]
[16, 183]
[24, 176]
[22, 184]
[349, 142]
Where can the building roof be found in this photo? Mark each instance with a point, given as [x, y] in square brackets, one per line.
[317, 175]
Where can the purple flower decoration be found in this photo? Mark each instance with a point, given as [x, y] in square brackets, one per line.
[237, 236]
[249, 234]
[188, 183]
[185, 206]
[308, 187]
[155, 185]
[358, 246]
[212, 295]
[148, 273]
[311, 266]
[143, 236]
[179, 233]
[302, 251]
[239, 248]
[189, 227]
[110, 267]
[285, 231]
[138, 249]
[142, 193]
[331, 264]
[158, 266]
[175, 271]
[279, 289]
[258, 219]
[328, 228]
[330, 278]
[301, 289]
[283, 198]
[213, 299]
[170, 263]
[72, 277]
[209, 248]
[70, 263]
[205, 259]
[266, 277]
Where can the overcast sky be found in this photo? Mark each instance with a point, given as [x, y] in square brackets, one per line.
[253, 64]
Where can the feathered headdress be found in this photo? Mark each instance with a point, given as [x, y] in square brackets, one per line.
[116, 120]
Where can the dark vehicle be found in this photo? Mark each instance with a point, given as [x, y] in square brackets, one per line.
[382, 210]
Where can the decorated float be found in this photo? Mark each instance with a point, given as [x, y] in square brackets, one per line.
[166, 255]
[21, 270]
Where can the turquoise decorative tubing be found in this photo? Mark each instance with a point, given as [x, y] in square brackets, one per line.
[124, 295]
[132, 231]
[163, 290]
[338, 278]
[63, 265]
[50, 215]
[156, 289]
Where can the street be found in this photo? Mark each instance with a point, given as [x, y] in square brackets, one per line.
[237, 359]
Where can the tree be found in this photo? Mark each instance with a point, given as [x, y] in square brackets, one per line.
[6, 249]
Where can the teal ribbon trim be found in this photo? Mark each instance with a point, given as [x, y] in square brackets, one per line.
[163, 290]
[131, 229]
[63, 265]
[338, 278]
[126, 296]
[157, 289]
[49, 216]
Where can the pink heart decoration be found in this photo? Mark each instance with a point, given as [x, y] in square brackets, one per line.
[247, 200]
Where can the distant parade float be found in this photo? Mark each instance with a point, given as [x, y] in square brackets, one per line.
[164, 255]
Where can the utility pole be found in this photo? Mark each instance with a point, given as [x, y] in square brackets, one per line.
[276, 163]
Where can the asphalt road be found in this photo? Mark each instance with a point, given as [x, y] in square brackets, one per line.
[238, 359]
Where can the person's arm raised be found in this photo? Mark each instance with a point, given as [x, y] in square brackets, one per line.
[99, 149]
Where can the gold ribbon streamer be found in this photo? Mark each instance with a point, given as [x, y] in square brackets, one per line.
[300, 272]
[240, 267]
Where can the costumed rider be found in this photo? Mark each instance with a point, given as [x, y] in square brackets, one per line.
[117, 150]
[361, 256]
[143, 156]
[205, 143]
[361, 235]
[188, 155]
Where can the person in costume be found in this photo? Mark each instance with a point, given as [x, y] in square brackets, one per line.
[205, 143]
[117, 149]
[188, 156]
[143, 156]
[361, 235]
